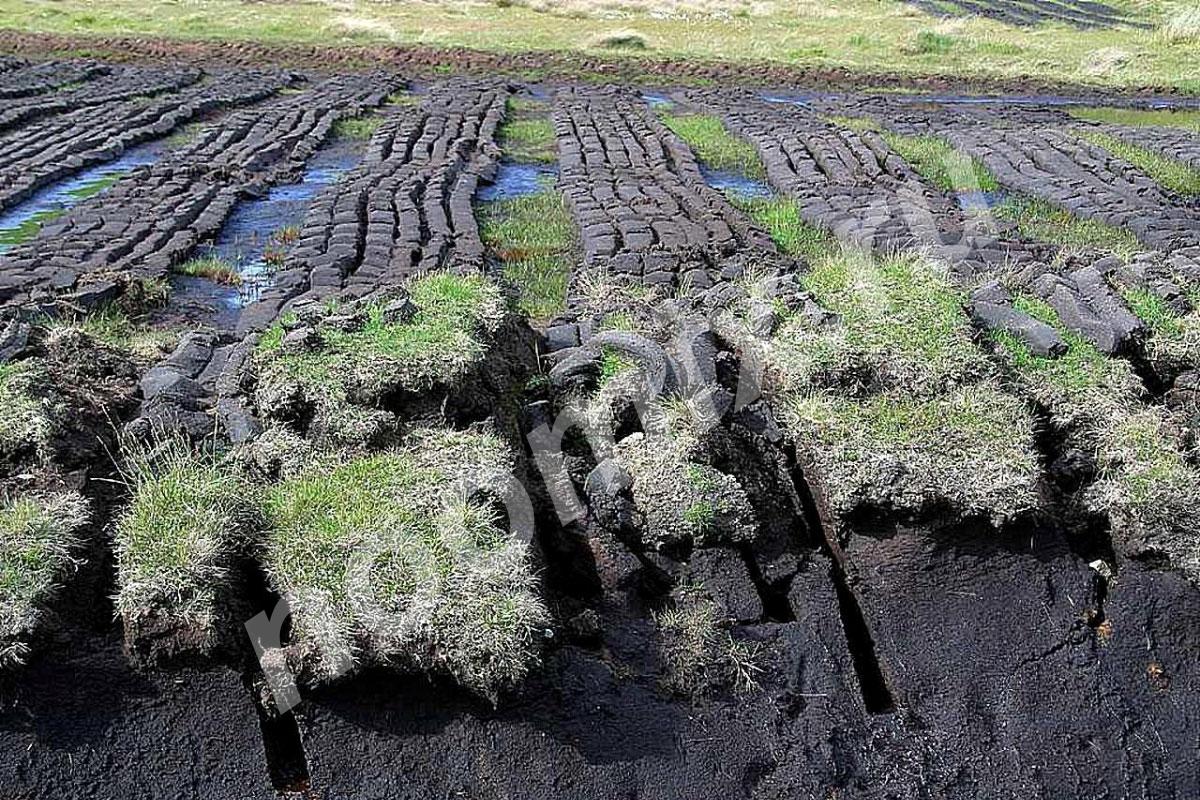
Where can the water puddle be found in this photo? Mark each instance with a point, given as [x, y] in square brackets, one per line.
[253, 240]
[22, 222]
[515, 180]
[801, 100]
[734, 183]
[656, 100]
[979, 201]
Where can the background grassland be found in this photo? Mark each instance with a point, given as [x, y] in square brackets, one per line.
[860, 35]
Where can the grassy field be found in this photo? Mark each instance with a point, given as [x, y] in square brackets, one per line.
[868, 36]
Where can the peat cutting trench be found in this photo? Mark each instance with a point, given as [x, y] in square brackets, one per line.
[603, 441]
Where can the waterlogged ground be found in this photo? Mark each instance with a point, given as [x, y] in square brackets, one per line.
[23, 220]
[880, 486]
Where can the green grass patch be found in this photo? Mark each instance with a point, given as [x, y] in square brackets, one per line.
[612, 363]
[186, 134]
[1074, 383]
[527, 140]
[1140, 117]
[385, 562]
[534, 236]
[449, 334]
[114, 327]
[902, 324]
[1038, 219]
[1167, 172]
[177, 541]
[854, 123]
[780, 217]
[29, 228]
[715, 146]
[943, 165]
[1155, 312]
[356, 128]
[213, 268]
[95, 187]
[37, 537]
[932, 43]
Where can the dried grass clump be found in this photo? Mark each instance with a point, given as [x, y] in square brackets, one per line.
[388, 559]
[682, 499]
[697, 649]
[1183, 25]
[24, 421]
[37, 537]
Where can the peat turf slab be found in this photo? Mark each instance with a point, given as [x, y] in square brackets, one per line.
[80, 722]
[1028, 673]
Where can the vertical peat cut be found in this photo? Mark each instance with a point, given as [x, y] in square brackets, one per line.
[287, 763]
[872, 683]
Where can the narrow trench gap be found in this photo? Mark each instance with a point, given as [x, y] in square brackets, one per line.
[283, 746]
[1089, 537]
[876, 694]
[776, 607]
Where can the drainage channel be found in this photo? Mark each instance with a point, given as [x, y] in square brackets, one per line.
[23, 221]
[252, 241]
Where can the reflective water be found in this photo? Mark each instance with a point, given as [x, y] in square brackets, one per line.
[249, 238]
[736, 183]
[515, 180]
[22, 221]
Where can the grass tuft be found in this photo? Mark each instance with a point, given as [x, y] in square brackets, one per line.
[356, 128]
[213, 268]
[24, 419]
[37, 536]
[386, 560]
[698, 651]
[932, 43]
[621, 40]
[177, 542]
